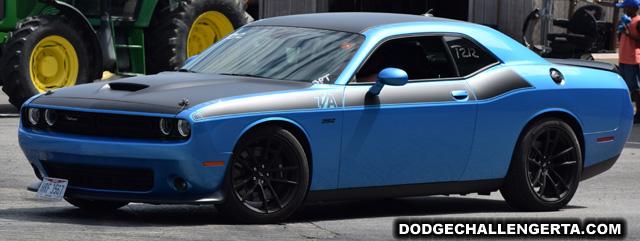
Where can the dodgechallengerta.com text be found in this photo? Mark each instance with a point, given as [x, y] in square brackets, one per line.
[497, 227]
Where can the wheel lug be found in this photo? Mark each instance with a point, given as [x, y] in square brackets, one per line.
[254, 178]
[255, 169]
[267, 174]
[262, 166]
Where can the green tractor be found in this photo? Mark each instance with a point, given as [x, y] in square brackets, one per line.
[47, 44]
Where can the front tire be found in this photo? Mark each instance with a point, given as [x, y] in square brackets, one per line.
[267, 177]
[546, 167]
[44, 52]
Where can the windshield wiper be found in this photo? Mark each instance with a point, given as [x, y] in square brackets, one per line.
[245, 75]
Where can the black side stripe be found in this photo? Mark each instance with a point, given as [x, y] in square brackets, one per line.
[485, 86]
[293, 101]
[427, 92]
[497, 82]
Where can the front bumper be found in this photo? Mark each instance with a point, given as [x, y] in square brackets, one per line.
[165, 160]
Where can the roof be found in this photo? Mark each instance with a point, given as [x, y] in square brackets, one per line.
[354, 22]
[374, 27]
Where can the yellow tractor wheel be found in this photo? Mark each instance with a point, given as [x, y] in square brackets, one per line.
[208, 28]
[44, 52]
[175, 34]
[54, 64]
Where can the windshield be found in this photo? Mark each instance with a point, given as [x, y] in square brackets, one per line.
[286, 53]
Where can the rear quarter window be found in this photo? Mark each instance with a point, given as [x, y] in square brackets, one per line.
[468, 56]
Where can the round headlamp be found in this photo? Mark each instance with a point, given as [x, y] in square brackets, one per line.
[50, 116]
[184, 128]
[166, 125]
[34, 115]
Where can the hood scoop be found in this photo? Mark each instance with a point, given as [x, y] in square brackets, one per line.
[127, 86]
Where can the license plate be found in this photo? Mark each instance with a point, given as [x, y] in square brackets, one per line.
[52, 188]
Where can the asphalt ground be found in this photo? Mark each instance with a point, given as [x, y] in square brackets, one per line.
[23, 216]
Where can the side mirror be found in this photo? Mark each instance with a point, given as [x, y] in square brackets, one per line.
[389, 76]
[190, 59]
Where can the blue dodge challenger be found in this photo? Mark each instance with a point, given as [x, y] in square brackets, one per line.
[334, 106]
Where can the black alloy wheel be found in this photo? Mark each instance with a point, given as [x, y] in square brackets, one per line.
[546, 167]
[551, 165]
[267, 178]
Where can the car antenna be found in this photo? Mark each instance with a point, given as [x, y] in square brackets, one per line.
[428, 13]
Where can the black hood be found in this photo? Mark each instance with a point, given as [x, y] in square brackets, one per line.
[163, 92]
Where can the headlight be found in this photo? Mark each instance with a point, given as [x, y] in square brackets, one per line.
[184, 128]
[50, 116]
[34, 116]
[166, 125]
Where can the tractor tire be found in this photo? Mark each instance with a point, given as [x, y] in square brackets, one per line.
[2, 46]
[174, 36]
[44, 52]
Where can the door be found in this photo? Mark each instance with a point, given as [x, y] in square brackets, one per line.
[417, 133]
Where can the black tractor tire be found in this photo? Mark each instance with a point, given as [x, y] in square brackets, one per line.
[267, 177]
[545, 169]
[166, 37]
[2, 47]
[98, 205]
[21, 43]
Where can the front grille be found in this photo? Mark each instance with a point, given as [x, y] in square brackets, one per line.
[98, 177]
[104, 125]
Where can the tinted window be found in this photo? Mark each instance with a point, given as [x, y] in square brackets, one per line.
[468, 56]
[296, 54]
[420, 57]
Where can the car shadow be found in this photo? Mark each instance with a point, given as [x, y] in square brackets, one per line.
[147, 215]
[8, 109]
[133, 215]
[400, 207]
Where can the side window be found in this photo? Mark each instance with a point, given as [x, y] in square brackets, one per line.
[421, 57]
[468, 56]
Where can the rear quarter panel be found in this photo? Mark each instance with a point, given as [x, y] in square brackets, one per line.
[598, 100]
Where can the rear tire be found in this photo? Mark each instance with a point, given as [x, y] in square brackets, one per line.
[546, 167]
[192, 27]
[95, 204]
[44, 52]
[267, 177]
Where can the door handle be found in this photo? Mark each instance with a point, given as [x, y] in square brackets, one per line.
[460, 95]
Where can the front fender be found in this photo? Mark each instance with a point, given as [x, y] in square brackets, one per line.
[266, 121]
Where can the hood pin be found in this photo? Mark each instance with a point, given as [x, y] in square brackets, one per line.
[184, 102]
